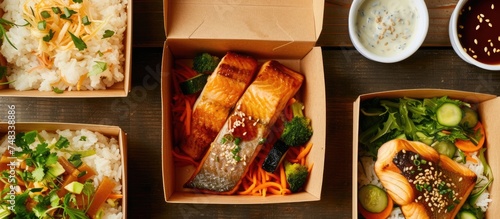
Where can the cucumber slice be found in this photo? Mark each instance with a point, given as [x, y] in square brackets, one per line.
[194, 84]
[446, 148]
[466, 215]
[373, 198]
[449, 114]
[470, 118]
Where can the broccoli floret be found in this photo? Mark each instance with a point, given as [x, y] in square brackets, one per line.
[298, 130]
[296, 175]
[205, 63]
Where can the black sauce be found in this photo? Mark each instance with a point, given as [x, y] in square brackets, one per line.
[479, 30]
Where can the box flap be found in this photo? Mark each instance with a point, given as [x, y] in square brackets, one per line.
[274, 28]
[471, 97]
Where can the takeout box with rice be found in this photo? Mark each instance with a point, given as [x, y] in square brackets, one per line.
[62, 170]
[65, 49]
[425, 151]
[267, 62]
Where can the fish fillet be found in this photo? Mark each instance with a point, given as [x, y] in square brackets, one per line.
[224, 87]
[424, 183]
[244, 132]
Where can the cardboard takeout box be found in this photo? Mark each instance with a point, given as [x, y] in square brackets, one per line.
[488, 106]
[120, 89]
[282, 30]
[108, 131]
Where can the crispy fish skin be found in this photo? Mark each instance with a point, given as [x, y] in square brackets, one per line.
[437, 170]
[241, 138]
[224, 87]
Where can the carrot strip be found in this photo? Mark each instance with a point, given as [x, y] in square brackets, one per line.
[267, 184]
[305, 151]
[100, 196]
[188, 119]
[282, 176]
[115, 196]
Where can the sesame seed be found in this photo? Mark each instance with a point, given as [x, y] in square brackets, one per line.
[488, 53]
[480, 20]
[461, 26]
[489, 24]
[485, 49]
[475, 41]
[492, 6]
[487, 20]
[482, 15]
[474, 56]
[477, 27]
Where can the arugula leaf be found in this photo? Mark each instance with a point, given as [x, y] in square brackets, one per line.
[108, 33]
[98, 68]
[79, 43]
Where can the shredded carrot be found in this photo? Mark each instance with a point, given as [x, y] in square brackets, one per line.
[305, 151]
[115, 196]
[101, 195]
[184, 158]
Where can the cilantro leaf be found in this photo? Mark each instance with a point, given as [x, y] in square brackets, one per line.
[79, 43]
[29, 137]
[108, 33]
[98, 68]
[51, 159]
[38, 174]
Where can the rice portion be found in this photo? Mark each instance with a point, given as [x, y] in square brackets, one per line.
[65, 66]
[106, 161]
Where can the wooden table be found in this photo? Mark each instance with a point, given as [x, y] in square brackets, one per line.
[347, 75]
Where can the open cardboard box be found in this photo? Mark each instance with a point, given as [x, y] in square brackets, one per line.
[286, 32]
[108, 131]
[488, 106]
[120, 89]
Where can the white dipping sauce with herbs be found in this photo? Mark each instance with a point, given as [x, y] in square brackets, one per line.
[386, 27]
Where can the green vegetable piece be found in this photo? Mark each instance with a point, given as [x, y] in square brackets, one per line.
[56, 10]
[296, 175]
[446, 148]
[49, 36]
[38, 174]
[67, 13]
[464, 214]
[3, 71]
[45, 14]
[373, 198]
[422, 137]
[76, 160]
[449, 114]
[470, 118]
[85, 20]
[108, 34]
[77, 1]
[57, 90]
[42, 25]
[275, 156]
[55, 170]
[205, 63]
[98, 68]
[62, 142]
[74, 187]
[79, 43]
[4, 213]
[194, 84]
[298, 130]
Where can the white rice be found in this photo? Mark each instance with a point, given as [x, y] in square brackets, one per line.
[68, 65]
[106, 162]
[366, 175]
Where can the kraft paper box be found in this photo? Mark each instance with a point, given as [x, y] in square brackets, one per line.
[488, 108]
[281, 30]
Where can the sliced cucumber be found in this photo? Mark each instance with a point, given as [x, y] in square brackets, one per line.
[466, 215]
[422, 137]
[449, 114]
[446, 148]
[373, 198]
[470, 118]
[275, 156]
[194, 84]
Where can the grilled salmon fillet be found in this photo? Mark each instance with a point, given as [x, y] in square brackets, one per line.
[424, 183]
[224, 87]
[244, 132]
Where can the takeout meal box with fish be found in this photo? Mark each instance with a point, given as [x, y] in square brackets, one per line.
[287, 32]
[487, 109]
[113, 142]
[81, 62]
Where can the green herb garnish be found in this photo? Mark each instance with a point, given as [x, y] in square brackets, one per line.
[98, 68]
[56, 10]
[42, 25]
[108, 33]
[67, 13]
[49, 36]
[85, 20]
[45, 14]
[57, 90]
[79, 43]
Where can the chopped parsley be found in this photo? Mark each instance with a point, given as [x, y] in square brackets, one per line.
[108, 33]
[79, 44]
